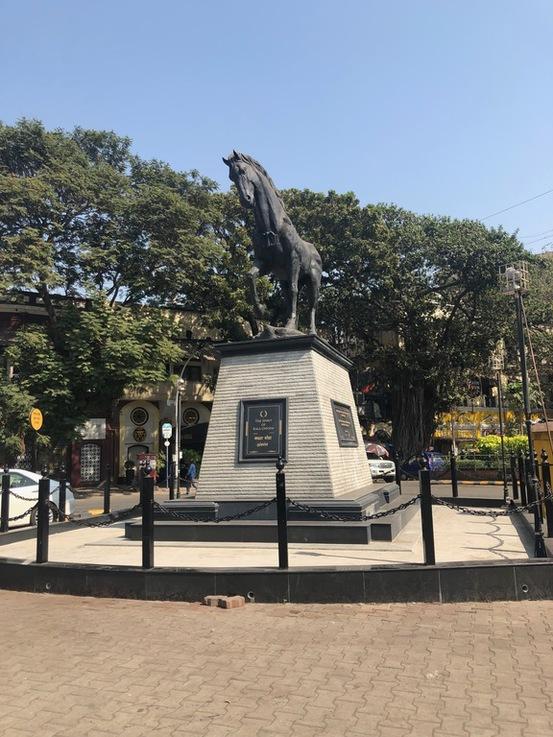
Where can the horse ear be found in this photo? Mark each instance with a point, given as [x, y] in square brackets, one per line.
[236, 154]
[227, 162]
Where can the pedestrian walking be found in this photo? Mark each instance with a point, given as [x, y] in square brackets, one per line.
[190, 476]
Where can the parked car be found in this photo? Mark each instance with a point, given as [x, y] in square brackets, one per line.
[438, 464]
[25, 484]
[380, 468]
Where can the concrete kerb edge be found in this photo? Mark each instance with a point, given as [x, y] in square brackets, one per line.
[442, 583]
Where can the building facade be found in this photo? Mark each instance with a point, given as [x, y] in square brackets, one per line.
[111, 444]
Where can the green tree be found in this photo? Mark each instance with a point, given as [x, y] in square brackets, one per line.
[103, 350]
[413, 299]
[539, 317]
[83, 218]
[15, 432]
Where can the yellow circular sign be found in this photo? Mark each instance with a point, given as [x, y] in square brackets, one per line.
[35, 418]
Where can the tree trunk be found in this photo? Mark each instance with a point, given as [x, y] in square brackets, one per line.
[413, 416]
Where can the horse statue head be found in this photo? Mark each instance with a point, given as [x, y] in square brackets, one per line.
[248, 175]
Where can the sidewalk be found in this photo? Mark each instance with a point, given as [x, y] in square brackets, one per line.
[81, 667]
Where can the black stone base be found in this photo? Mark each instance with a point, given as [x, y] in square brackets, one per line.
[303, 526]
[450, 582]
[256, 531]
[366, 501]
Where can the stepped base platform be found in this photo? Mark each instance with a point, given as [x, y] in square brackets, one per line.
[303, 526]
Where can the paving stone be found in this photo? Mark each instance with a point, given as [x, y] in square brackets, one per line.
[99, 668]
[231, 602]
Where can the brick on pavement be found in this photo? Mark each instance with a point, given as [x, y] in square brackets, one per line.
[102, 668]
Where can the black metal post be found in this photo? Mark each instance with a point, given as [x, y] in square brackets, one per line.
[62, 494]
[107, 491]
[539, 545]
[454, 482]
[397, 461]
[5, 508]
[522, 478]
[529, 490]
[501, 434]
[426, 517]
[171, 471]
[546, 480]
[43, 519]
[282, 516]
[538, 486]
[514, 476]
[147, 501]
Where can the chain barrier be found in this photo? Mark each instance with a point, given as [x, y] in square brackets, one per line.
[112, 517]
[24, 514]
[362, 518]
[490, 513]
[229, 518]
[30, 499]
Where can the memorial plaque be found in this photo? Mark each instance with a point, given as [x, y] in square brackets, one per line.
[345, 426]
[262, 429]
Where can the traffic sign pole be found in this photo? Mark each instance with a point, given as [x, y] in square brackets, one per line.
[167, 431]
[167, 464]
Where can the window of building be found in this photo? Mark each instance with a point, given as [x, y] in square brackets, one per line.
[90, 462]
[139, 416]
[193, 373]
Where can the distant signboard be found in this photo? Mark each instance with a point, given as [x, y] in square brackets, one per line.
[345, 426]
[35, 418]
[262, 429]
[167, 430]
[149, 459]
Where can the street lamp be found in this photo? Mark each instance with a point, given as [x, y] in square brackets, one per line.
[175, 481]
[497, 365]
[514, 281]
[180, 385]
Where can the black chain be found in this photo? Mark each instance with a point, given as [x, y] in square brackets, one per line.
[341, 518]
[229, 518]
[491, 512]
[25, 514]
[109, 520]
[29, 499]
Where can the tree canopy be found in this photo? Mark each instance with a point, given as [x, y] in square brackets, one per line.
[413, 299]
[81, 217]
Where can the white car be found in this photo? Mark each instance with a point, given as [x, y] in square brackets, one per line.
[25, 484]
[382, 469]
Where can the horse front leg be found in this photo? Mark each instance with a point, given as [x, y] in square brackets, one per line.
[313, 297]
[259, 309]
[293, 295]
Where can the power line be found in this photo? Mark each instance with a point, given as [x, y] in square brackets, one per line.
[544, 232]
[545, 238]
[517, 204]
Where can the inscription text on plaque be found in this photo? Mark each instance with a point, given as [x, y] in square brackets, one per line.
[262, 429]
[345, 427]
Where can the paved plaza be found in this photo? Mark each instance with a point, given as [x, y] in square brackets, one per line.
[459, 537]
[81, 667]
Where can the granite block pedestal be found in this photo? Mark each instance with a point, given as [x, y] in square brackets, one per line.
[288, 397]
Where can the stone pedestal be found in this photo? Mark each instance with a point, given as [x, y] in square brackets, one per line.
[321, 436]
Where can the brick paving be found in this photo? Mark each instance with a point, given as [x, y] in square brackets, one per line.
[82, 667]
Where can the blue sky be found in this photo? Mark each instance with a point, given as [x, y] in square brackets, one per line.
[441, 106]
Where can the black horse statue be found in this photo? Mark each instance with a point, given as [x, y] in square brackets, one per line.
[277, 247]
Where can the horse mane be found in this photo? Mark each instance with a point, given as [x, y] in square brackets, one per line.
[261, 170]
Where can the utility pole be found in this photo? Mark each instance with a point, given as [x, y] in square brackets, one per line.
[497, 365]
[515, 281]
